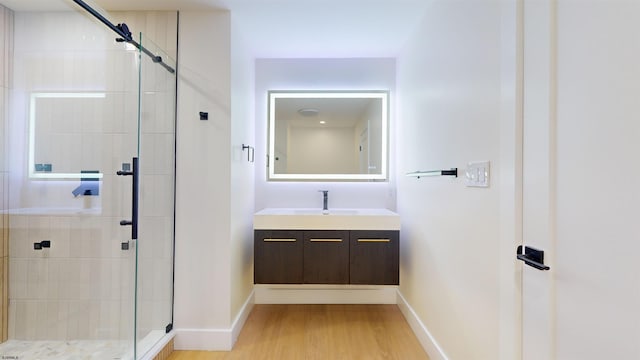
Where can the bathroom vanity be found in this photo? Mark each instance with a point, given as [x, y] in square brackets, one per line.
[346, 246]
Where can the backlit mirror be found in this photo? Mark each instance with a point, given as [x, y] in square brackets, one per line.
[329, 135]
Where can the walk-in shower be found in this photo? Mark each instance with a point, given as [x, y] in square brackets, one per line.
[82, 110]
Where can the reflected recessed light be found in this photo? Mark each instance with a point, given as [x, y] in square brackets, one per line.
[308, 112]
[322, 122]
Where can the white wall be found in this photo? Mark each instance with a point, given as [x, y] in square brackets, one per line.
[242, 173]
[202, 279]
[449, 114]
[321, 150]
[320, 74]
[213, 277]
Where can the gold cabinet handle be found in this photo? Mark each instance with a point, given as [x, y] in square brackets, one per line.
[325, 240]
[279, 240]
[375, 240]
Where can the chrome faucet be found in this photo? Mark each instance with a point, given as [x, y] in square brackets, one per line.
[325, 201]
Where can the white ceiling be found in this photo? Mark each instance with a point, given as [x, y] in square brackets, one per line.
[292, 28]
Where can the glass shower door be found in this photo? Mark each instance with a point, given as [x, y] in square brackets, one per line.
[154, 250]
[73, 107]
[79, 107]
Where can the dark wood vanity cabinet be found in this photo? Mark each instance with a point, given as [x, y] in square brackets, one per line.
[277, 257]
[374, 257]
[326, 257]
[367, 257]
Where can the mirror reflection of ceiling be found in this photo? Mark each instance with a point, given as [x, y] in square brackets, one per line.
[341, 28]
[344, 113]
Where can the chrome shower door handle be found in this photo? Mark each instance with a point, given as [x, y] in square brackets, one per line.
[134, 199]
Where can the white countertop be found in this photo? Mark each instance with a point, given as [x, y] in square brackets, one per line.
[314, 219]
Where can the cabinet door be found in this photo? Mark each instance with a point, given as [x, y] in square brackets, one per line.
[374, 257]
[326, 257]
[277, 257]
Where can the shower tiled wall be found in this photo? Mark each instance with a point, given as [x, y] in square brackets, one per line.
[6, 47]
[78, 289]
[82, 287]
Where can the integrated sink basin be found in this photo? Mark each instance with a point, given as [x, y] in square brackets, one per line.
[336, 219]
[327, 212]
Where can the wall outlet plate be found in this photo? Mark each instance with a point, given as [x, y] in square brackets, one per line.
[477, 174]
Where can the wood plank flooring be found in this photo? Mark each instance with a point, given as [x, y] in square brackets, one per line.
[313, 332]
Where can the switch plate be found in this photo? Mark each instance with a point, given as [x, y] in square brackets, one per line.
[477, 174]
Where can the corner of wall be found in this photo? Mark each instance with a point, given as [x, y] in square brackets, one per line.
[203, 182]
[426, 339]
[214, 339]
[450, 116]
[243, 166]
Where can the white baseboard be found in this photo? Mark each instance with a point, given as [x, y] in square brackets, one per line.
[422, 333]
[241, 318]
[325, 294]
[214, 339]
[203, 339]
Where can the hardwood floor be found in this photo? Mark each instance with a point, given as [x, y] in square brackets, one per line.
[320, 332]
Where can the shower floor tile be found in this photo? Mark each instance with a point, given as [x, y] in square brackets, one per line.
[67, 350]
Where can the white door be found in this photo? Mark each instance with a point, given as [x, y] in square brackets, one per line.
[581, 179]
